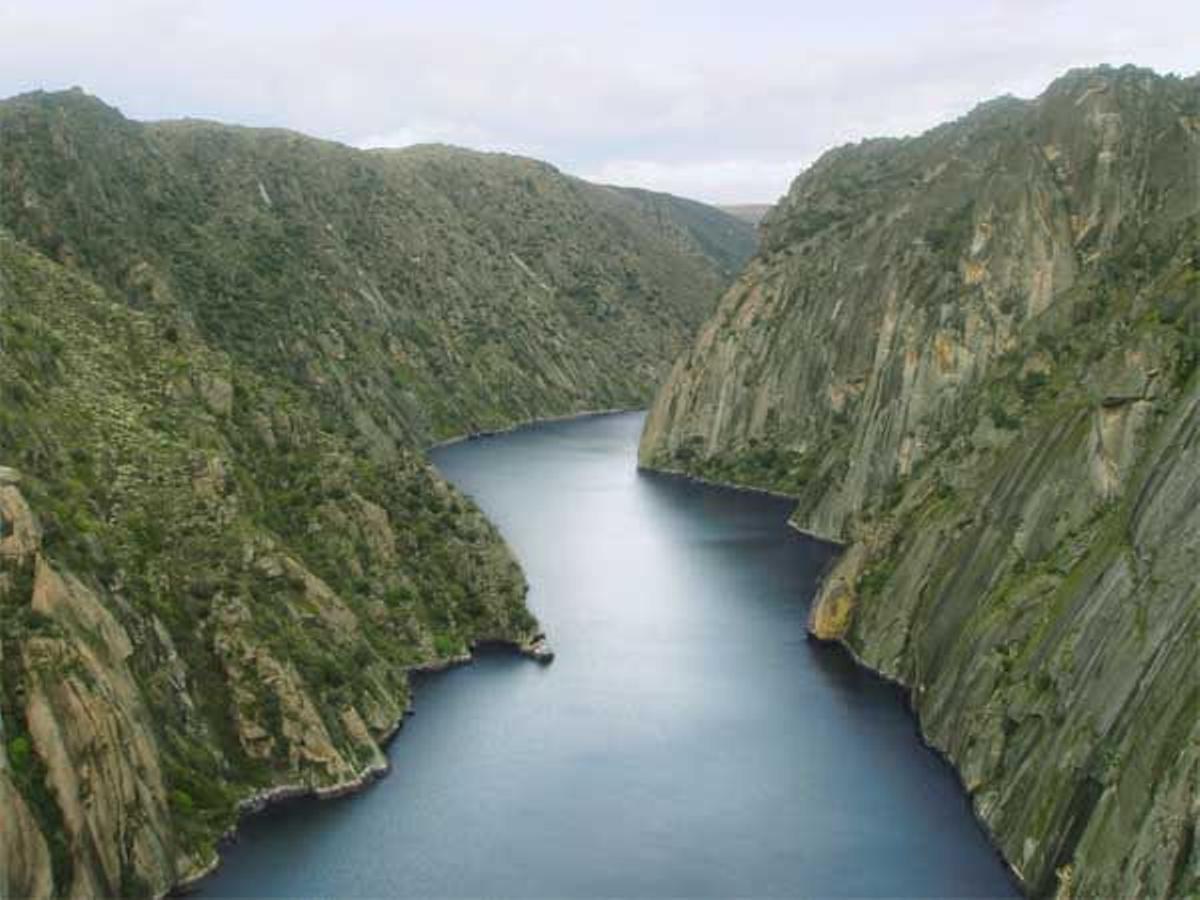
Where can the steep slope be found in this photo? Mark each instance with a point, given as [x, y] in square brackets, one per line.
[205, 594]
[972, 357]
[221, 551]
[716, 233]
[432, 291]
[753, 213]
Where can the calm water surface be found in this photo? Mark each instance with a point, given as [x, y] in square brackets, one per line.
[687, 741]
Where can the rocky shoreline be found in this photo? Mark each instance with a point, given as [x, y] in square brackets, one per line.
[536, 648]
[906, 691]
[838, 645]
[680, 475]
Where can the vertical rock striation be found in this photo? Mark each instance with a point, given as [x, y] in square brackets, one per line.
[972, 358]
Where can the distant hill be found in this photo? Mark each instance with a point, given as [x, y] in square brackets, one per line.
[748, 212]
[717, 234]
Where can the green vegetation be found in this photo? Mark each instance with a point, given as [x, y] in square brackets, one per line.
[762, 465]
[223, 351]
[426, 292]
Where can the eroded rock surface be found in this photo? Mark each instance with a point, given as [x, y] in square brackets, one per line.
[972, 357]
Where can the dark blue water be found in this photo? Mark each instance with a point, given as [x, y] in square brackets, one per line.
[687, 741]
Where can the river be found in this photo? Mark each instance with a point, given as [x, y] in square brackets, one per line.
[687, 741]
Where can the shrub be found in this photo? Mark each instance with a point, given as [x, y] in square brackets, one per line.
[181, 802]
[18, 754]
[1001, 418]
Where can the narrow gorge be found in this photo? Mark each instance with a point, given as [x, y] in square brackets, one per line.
[970, 357]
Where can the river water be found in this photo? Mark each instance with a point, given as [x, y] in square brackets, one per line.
[687, 741]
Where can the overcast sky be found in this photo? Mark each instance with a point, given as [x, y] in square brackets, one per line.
[722, 101]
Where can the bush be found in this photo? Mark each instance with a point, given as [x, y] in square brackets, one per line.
[18, 754]
[181, 802]
[1002, 419]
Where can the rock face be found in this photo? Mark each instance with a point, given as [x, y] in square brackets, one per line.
[972, 357]
[221, 550]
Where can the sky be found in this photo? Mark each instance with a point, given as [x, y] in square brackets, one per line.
[722, 101]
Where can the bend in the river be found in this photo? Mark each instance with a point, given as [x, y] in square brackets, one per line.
[687, 741]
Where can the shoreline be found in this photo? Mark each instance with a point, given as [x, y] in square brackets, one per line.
[681, 475]
[905, 690]
[535, 649]
[526, 423]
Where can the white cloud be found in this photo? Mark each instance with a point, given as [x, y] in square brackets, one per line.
[699, 97]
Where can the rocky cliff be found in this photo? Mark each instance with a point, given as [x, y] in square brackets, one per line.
[221, 551]
[972, 357]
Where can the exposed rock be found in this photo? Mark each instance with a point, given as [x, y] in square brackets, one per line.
[216, 391]
[913, 336]
[24, 858]
[538, 648]
[94, 735]
[832, 609]
[972, 356]
[20, 533]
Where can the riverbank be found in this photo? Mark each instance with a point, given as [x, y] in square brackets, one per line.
[686, 730]
[526, 423]
[905, 690]
[535, 649]
[696, 479]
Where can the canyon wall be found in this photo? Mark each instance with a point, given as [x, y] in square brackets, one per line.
[972, 358]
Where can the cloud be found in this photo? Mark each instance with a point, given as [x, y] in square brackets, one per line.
[702, 97]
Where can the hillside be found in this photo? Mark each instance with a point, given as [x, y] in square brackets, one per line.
[752, 213]
[221, 550]
[972, 357]
[432, 291]
[720, 234]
